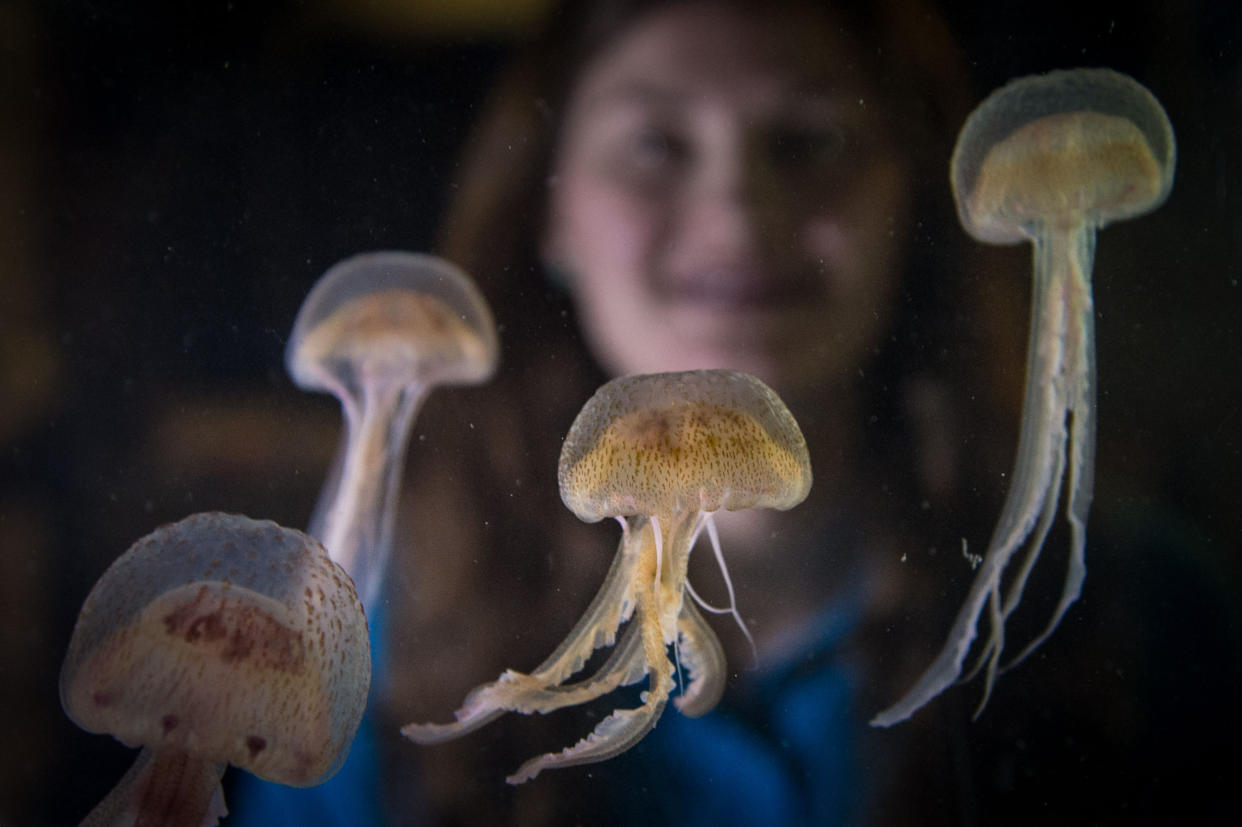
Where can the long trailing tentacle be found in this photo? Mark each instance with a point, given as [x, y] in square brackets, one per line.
[1025, 503]
[1060, 302]
[624, 727]
[714, 536]
[648, 583]
[355, 521]
[612, 605]
[991, 652]
[613, 736]
[1082, 394]
[518, 692]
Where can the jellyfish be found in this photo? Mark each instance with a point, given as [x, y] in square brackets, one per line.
[217, 640]
[378, 330]
[1047, 159]
[660, 453]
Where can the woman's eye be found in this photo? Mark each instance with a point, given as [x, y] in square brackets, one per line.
[651, 148]
[645, 157]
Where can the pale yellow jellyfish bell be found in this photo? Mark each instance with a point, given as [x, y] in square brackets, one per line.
[217, 640]
[660, 453]
[1048, 159]
[378, 331]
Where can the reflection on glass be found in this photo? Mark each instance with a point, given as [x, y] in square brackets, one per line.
[660, 453]
[378, 330]
[1049, 159]
[217, 640]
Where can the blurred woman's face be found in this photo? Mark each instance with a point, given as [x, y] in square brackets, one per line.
[726, 194]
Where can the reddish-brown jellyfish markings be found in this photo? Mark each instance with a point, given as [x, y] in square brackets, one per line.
[660, 453]
[378, 330]
[1048, 159]
[217, 640]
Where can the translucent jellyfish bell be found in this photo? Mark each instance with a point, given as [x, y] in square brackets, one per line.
[1048, 159]
[378, 330]
[217, 640]
[660, 453]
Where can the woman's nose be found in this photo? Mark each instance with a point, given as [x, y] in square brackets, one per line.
[733, 206]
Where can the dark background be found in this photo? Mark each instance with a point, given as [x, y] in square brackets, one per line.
[172, 182]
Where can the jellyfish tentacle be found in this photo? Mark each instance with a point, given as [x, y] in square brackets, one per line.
[612, 736]
[1046, 517]
[1046, 402]
[657, 537]
[995, 645]
[612, 605]
[670, 570]
[346, 452]
[357, 526]
[332, 480]
[699, 528]
[624, 727]
[1014, 595]
[1042, 440]
[714, 536]
[516, 691]
[337, 527]
[478, 710]
[1082, 393]
[625, 665]
[523, 693]
[704, 659]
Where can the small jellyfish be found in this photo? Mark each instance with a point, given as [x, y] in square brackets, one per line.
[378, 330]
[1048, 159]
[660, 453]
[217, 640]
